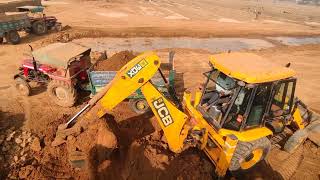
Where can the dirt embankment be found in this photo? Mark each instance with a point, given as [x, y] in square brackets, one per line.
[139, 152]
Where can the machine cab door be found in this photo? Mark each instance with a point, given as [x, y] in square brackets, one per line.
[248, 110]
[216, 96]
[281, 101]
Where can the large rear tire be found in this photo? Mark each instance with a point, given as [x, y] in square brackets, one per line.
[62, 93]
[248, 154]
[13, 37]
[39, 28]
[1, 40]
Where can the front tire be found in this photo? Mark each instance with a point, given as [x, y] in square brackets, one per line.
[39, 28]
[22, 86]
[62, 93]
[248, 154]
[58, 27]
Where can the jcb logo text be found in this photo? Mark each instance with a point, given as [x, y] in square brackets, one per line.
[163, 112]
[133, 71]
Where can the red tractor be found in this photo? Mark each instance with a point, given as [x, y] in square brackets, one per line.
[61, 66]
[40, 23]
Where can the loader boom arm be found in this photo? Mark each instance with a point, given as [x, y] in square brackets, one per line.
[134, 75]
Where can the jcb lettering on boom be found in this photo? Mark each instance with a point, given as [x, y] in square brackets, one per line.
[136, 68]
[163, 112]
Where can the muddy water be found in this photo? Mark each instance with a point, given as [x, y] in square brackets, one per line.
[143, 44]
[296, 41]
[210, 44]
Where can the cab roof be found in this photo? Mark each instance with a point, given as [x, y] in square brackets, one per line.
[59, 54]
[250, 67]
[32, 9]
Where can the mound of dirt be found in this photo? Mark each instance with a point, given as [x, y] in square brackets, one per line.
[115, 62]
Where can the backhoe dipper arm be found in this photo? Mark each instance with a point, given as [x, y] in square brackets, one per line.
[134, 75]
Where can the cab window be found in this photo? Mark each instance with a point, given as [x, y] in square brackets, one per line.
[282, 99]
[259, 105]
[235, 117]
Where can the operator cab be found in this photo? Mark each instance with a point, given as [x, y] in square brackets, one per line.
[236, 103]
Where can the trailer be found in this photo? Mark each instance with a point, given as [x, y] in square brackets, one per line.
[11, 23]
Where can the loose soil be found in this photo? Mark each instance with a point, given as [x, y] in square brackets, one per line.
[115, 62]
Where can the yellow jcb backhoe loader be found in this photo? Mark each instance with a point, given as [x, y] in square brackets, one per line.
[244, 101]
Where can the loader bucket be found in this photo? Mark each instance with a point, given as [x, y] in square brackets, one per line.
[311, 132]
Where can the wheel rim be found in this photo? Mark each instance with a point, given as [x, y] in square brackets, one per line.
[141, 105]
[22, 89]
[252, 159]
[40, 28]
[60, 93]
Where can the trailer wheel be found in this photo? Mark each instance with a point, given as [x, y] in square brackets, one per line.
[247, 154]
[139, 106]
[13, 37]
[39, 28]
[22, 86]
[62, 93]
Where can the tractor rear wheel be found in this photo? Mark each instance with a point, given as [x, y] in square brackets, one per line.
[39, 28]
[13, 37]
[1, 40]
[139, 106]
[22, 86]
[247, 154]
[62, 93]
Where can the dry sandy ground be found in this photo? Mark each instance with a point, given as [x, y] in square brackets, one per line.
[188, 18]
[37, 112]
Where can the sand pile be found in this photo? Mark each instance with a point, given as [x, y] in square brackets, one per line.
[115, 62]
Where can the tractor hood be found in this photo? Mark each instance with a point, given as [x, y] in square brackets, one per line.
[32, 9]
[59, 54]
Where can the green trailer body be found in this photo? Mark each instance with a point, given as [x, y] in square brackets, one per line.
[137, 102]
[98, 79]
[13, 22]
[16, 25]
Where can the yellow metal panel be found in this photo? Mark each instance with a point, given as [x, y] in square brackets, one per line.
[247, 135]
[226, 156]
[250, 67]
[201, 123]
[171, 119]
[297, 119]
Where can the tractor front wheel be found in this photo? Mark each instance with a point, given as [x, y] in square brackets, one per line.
[248, 154]
[139, 106]
[22, 86]
[62, 93]
[39, 27]
[13, 37]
